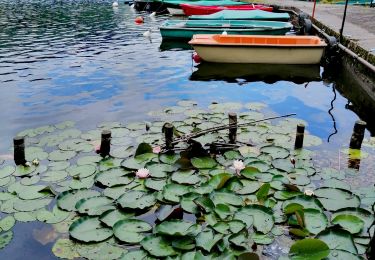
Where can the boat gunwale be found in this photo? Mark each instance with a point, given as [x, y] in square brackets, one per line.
[261, 46]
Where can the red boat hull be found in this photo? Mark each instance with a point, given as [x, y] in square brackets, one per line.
[202, 10]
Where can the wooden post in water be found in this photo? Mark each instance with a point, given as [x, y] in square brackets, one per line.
[233, 130]
[300, 134]
[19, 150]
[105, 144]
[358, 134]
[168, 133]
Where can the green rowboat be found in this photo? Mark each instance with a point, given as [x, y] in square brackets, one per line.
[185, 29]
[243, 15]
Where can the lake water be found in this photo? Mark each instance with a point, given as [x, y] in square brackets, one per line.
[88, 62]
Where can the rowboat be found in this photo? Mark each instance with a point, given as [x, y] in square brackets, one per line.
[243, 15]
[190, 9]
[185, 29]
[174, 8]
[259, 49]
[268, 73]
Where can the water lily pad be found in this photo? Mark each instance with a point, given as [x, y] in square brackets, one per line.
[176, 228]
[240, 240]
[137, 200]
[262, 216]
[306, 201]
[285, 195]
[276, 152]
[309, 249]
[114, 176]
[219, 180]
[187, 202]
[7, 171]
[338, 239]
[61, 155]
[131, 230]
[155, 184]
[99, 251]
[24, 216]
[351, 223]
[172, 192]
[58, 166]
[363, 214]
[82, 171]
[94, 206]
[34, 192]
[203, 162]
[68, 199]
[335, 199]
[185, 177]
[5, 238]
[65, 248]
[7, 223]
[342, 255]
[315, 220]
[24, 170]
[54, 176]
[169, 158]
[30, 205]
[226, 198]
[262, 239]
[89, 229]
[207, 239]
[90, 159]
[157, 246]
[110, 217]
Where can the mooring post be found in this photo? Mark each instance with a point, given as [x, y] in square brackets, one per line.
[358, 134]
[19, 150]
[105, 144]
[168, 133]
[232, 130]
[300, 134]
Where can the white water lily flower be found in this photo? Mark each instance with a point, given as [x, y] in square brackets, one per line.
[309, 192]
[35, 162]
[142, 173]
[238, 165]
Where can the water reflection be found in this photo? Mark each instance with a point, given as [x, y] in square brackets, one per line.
[269, 73]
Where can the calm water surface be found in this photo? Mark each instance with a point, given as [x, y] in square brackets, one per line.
[88, 62]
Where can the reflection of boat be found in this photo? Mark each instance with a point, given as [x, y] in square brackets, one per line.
[174, 7]
[185, 29]
[194, 9]
[268, 73]
[243, 15]
[259, 49]
[174, 45]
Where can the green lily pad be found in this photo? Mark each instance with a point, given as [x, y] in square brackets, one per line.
[203, 162]
[262, 239]
[309, 249]
[338, 239]
[7, 171]
[90, 159]
[68, 199]
[5, 238]
[94, 206]
[222, 210]
[157, 246]
[82, 171]
[54, 176]
[131, 230]
[240, 239]
[306, 201]
[89, 229]
[184, 243]
[99, 251]
[335, 199]
[24, 216]
[113, 177]
[176, 228]
[262, 216]
[160, 170]
[169, 158]
[219, 180]
[24, 170]
[226, 198]
[172, 192]
[137, 200]
[185, 177]
[134, 255]
[61, 155]
[187, 202]
[7, 223]
[30, 205]
[315, 220]
[363, 214]
[276, 152]
[155, 184]
[342, 255]
[110, 217]
[250, 172]
[34, 192]
[65, 248]
[207, 239]
[249, 187]
[351, 223]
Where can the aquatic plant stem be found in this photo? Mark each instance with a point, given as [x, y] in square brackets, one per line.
[187, 137]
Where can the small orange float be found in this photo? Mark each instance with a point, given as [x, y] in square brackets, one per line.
[138, 20]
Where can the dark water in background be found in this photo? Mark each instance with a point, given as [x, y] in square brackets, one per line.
[88, 62]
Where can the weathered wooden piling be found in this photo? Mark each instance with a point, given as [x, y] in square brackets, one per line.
[358, 134]
[168, 133]
[232, 130]
[105, 144]
[19, 150]
[300, 134]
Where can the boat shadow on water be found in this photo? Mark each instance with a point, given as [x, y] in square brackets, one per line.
[171, 45]
[269, 73]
